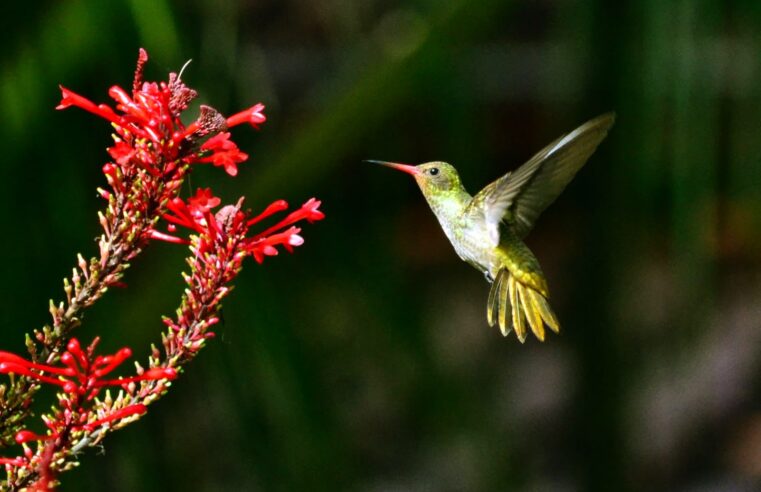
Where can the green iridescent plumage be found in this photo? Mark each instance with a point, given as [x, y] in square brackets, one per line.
[487, 229]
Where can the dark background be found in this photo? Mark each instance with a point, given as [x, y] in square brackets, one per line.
[364, 361]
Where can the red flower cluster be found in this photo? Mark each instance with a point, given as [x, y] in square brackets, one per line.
[151, 136]
[81, 375]
[220, 243]
[153, 151]
[227, 223]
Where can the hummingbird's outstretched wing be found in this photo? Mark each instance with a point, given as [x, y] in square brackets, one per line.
[523, 194]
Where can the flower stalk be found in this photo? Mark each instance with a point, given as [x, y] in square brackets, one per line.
[152, 154]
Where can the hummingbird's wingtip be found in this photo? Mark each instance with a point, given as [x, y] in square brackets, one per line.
[608, 117]
[601, 123]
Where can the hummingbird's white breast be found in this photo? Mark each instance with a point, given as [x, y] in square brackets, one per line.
[469, 235]
[470, 240]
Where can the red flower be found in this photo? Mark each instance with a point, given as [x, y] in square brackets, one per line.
[283, 233]
[69, 98]
[254, 116]
[203, 202]
[122, 153]
[223, 153]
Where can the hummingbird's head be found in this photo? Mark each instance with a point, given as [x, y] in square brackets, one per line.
[433, 177]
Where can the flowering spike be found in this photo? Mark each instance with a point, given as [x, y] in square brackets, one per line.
[151, 155]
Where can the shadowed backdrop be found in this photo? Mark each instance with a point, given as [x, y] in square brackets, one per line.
[364, 361]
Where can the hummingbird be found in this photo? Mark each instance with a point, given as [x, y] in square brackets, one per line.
[487, 230]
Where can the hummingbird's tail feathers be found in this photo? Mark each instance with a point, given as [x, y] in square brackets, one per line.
[492, 304]
[526, 305]
[498, 304]
[540, 304]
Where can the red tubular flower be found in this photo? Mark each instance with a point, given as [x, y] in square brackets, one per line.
[223, 153]
[263, 244]
[136, 409]
[254, 116]
[69, 98]
[272, 208]
[308, 211]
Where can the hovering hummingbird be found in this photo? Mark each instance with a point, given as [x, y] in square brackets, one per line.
[487, 230]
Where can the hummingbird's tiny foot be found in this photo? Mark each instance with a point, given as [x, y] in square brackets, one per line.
[489, 278]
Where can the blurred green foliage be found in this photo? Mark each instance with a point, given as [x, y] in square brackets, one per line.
[363, 361]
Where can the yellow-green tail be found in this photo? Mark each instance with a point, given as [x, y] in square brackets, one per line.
[513, 305]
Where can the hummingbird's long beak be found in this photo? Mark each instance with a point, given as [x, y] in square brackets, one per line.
[401, 167]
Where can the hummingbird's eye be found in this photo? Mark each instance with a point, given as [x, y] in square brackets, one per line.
[433, 171]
